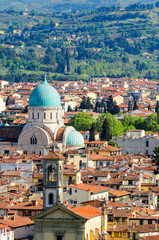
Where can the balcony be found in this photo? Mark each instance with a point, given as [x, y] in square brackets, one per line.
[50, 183]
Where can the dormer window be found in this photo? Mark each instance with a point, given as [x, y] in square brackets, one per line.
[33, 139]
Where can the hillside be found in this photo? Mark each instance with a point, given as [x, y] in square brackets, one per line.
[50, 5]
[112, 42]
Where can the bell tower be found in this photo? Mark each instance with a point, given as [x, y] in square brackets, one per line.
[52, 180]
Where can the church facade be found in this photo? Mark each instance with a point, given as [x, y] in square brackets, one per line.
[45, 125]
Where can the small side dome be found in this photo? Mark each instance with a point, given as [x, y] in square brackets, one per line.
[74, 138]
[44, 95]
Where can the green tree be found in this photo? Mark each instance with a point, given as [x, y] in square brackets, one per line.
[127, 121]
[112, 107]
[129, 106]
[158, 118]
[91, 133]
[68, 60]
[69, 109]
[86, 103]
[149, 107]
[157, 107]
[116, 127]
[156, 155]
[61, 63]
[151, 123]
[106, 131]
[82, 121]
[50, 56]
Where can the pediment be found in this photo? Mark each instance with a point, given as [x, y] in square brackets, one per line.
[57, 212]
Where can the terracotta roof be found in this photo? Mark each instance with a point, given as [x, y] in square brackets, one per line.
[87, 211]
[147, 228]
[97, 157]
[111, 148]
[117, 193]
[89, 187]
[27, 206]
[53, 155]
[17, 221]
[11, 173]
[154, 237]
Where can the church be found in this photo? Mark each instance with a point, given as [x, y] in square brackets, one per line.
[59, 222]
[44, 127]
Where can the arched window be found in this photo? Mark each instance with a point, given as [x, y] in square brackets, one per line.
[33, 139]
[44, 115]
[51, 115]
[51, 198]
[51, 174]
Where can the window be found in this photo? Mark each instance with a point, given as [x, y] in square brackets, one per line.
[101, 164]
[6, 151]
[32, 115]
[38, 115]
[56, 115]
[123, 219]
[116, 234]
[110, 218]
[117, 219]
[51, 115]
[147, 143]
[51, 198]
[130, 182]
[141, 221]
[149, 221]
[33, 139]
[59, 237]
[44, 115]
[75, 191]
[70, 191]
[24, 152]
[80, 163]
[147, 152]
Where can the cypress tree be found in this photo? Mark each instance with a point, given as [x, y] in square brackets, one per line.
[69, 109]
[68, 60]
[106, 132]
[157, 107]
[129, 106]
[135, 105]
[149, 107]
[76, 109]
[91, 133]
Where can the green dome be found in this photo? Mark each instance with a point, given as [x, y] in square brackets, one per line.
[74, 138]
[44, 95]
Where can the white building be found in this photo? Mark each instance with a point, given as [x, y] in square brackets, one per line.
[45, 125]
